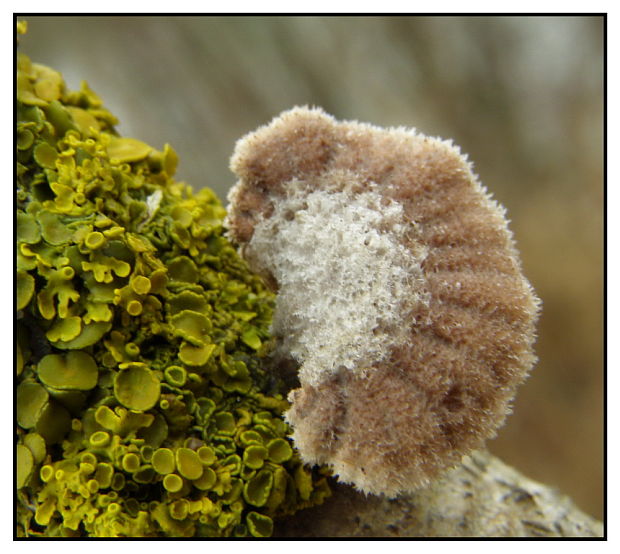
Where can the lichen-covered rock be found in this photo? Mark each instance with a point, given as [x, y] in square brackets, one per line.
[142, 408]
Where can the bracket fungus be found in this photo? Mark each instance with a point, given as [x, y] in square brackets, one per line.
[400, 294]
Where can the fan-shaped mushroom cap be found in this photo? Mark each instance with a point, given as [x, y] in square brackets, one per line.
[400, 293]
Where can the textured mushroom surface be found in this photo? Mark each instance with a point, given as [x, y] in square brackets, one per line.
[400, 294]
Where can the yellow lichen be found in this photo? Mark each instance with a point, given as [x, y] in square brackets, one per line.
[73, 371]
[140, 383]
[136, 387]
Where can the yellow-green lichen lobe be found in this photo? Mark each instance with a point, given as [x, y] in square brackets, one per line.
[142, 405]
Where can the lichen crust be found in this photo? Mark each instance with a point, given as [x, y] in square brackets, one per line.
[401, 298]
[143, 408]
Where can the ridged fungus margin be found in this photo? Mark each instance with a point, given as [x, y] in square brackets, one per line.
[142, 405]
[400, 294]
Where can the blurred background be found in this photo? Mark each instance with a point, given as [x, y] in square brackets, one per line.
[523, 96]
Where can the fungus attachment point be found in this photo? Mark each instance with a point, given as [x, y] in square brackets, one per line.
[400, 294]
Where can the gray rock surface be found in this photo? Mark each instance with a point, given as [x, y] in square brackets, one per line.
[482, 497]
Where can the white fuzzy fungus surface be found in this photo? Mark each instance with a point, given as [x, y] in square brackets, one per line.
[345, 281]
